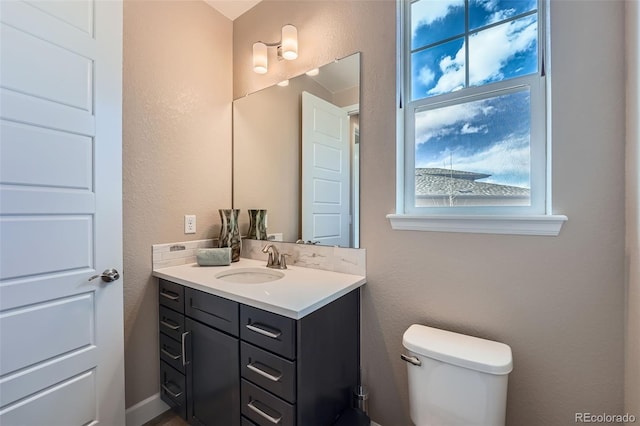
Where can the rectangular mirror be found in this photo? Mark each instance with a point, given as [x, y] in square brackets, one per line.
[296, 154]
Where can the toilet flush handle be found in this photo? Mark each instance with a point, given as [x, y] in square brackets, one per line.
[411, 359]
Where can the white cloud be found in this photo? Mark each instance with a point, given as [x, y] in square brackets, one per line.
[426, 76]
[441, 121]
[468, 129]
[492, 8]
[490, 50]
[488, 5]
[453, 76]
[500, 15]
[428, 11]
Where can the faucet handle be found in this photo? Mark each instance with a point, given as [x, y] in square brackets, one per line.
[270, 261]
[283, 260]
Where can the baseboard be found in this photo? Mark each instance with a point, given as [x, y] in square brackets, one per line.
[145, 410]
[151, 408]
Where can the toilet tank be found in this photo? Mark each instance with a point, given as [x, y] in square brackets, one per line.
[460, 380]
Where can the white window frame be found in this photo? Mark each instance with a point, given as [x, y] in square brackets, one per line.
[536, 219]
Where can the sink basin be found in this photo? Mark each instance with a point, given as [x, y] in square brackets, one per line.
[250, 275]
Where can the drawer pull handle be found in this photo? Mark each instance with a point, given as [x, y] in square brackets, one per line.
[169, 354]
[261, 413]
[184, 349]
[263, 373]
[263, 331]
[169, 325]
[169, 295]
[170, 392]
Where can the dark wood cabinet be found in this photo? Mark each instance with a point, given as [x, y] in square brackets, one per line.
[226, 363]
[212, 376]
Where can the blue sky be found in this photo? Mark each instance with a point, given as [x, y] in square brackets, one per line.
[489, 136]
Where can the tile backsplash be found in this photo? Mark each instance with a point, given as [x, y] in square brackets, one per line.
[174, 254]
[337, 259]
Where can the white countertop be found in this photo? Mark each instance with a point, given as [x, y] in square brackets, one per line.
[300, 292]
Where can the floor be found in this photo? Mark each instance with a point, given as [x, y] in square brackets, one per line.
[168, 418]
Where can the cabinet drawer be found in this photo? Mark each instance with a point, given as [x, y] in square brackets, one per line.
[212, 310]
[269, 371]
[171, 323]
[268, 330]
[265, 409]
[171, 295]
[173, 389]
[171, 352]
[246, 422]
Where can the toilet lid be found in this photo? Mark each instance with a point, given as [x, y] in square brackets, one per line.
[458, 349]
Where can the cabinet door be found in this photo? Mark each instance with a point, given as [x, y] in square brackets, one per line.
[213, 376]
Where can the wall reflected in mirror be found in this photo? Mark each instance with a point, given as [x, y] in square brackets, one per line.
[296, 154]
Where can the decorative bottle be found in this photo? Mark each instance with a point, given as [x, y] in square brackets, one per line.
[230, 233]
[257, 224]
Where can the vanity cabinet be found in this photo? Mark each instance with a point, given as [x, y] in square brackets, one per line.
[227, 363]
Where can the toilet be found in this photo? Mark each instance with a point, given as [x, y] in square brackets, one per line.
[454, 379]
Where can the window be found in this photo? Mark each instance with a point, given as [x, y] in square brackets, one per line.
[472, 109]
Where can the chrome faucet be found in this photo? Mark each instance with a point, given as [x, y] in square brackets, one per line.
[275, 260]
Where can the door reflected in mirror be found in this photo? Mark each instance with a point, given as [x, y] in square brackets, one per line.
[296, 152]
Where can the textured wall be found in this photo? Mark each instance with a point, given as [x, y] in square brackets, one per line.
[177, 153]
[558, 301]
[632, 371]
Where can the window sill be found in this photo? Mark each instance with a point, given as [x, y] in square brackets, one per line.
[548, 225]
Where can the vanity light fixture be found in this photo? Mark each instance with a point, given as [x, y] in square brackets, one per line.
[287, 49]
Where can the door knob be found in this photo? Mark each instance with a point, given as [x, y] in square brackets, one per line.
[107, 276]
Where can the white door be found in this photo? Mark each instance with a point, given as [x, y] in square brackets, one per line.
[61, 335]
[325, 172]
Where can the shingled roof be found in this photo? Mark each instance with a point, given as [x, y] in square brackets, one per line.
[434, 182]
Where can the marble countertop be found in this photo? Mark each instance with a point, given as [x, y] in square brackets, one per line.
[300, 292]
